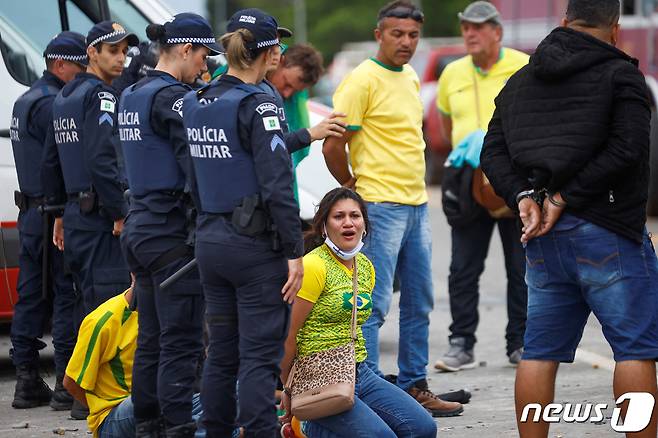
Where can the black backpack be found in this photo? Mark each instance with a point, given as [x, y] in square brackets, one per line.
[457, 199]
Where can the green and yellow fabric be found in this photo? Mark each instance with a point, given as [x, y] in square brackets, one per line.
[328, 284]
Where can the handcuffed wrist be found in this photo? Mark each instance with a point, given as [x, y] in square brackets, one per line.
[555, 202]
[525, 194]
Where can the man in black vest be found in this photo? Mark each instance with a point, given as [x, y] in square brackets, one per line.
[31, 123]
[568, 147]
[82, 167]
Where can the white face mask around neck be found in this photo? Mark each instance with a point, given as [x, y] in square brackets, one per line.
[345, 255]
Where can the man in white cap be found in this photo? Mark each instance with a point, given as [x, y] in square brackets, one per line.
[466, 91]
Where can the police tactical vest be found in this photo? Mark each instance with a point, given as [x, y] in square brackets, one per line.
[268, 88]
[68, 124]
[27, 148]
[150, 161]
[224, 169]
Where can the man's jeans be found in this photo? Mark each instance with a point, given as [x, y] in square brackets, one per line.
[381, 410]
[400, 238]
[120, 422]
[470, 246]
[578, 268]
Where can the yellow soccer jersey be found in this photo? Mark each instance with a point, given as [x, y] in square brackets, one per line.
[384, 109]
[102, 360]
[456, 91]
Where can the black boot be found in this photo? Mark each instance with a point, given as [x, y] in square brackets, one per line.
[62, 400]
[31, 391]
[149, 429]
[79, 411]
[181, 431]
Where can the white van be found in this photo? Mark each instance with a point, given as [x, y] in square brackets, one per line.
[26, 27]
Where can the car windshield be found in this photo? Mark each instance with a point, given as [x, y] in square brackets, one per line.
[26, 31]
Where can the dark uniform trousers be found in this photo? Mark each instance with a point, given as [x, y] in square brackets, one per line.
[32, 312]
[170, 338]
[470, 246]
[95, 259]
[248, 322]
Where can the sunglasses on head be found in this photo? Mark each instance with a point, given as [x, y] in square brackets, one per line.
[405, 12]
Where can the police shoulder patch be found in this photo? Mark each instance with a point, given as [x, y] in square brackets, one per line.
[265, 107]
[271, 123]
[106, 95]
[178, 107]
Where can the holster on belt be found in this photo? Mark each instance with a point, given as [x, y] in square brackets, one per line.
[87, 201]
[249, 219]
[21, 201]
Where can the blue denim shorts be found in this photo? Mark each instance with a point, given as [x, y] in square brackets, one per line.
[579, 268]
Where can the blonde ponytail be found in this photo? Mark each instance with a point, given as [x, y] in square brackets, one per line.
[237, 53]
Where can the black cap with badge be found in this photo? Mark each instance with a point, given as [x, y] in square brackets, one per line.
[284, 32]
[263, 27]
[69, 46]
[110, 32]
[191, 28]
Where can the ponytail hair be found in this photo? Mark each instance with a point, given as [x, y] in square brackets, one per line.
[156, 33]
[237, 52]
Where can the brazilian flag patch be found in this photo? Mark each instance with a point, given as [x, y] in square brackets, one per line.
[363, 301]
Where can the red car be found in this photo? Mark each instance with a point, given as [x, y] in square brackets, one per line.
[437, 147]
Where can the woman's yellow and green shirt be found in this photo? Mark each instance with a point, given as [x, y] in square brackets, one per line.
[328, 284]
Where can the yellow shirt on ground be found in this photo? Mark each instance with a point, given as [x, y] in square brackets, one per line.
[387, 150]
[102, 361]
[456, 91]
[328, 284]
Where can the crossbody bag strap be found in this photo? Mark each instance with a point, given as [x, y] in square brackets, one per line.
[291, 374]
[355, 298]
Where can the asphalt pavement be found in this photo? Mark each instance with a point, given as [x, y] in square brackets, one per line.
[491, 410]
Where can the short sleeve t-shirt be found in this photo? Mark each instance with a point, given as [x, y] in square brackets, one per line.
[102, 360]
[384, 109]
[456, 91]
[328, 284]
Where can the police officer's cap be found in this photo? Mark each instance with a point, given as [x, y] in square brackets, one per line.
[284, 32]
[69, 46]
[264, 27]
[191, 28]
[110, 32]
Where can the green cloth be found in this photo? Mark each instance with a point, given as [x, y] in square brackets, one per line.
[297, 118]
[220, 71]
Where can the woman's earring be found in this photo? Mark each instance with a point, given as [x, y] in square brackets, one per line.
[365, 233]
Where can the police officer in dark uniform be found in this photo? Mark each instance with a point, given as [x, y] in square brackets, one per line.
[81, 167]
[31, 124]
[155, 235]
[301, 138]
[294, 140]
[248, 238]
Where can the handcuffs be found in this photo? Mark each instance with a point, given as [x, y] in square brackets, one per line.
[539, 196]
